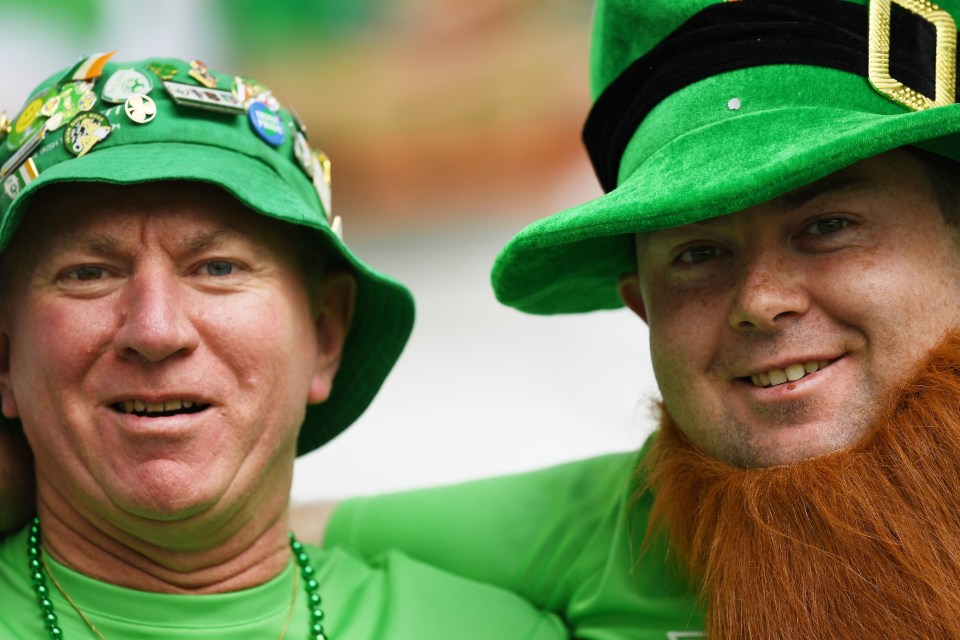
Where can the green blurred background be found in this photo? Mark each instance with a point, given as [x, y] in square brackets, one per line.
[427, 108]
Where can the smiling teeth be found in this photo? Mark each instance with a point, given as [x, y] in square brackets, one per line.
[790, 373]
[129, 406]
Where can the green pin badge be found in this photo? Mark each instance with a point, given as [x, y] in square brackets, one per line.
[163, 71]
[74, 98]
[84, 132]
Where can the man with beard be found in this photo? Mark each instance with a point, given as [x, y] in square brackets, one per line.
[782, 212]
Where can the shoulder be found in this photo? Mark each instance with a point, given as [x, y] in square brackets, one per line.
[577, 489]
[394, 596]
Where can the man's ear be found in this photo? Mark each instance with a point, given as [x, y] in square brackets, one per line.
[629, 289]
[8, 404]
[332, 316]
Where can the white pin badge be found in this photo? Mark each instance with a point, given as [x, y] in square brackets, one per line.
[125, 83]
[140, 109]
[11, 186]
[203, 98]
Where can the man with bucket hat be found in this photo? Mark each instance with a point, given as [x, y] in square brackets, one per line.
[179, 319]
[782, 212]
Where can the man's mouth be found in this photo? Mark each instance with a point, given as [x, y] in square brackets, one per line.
[790, 373]
[159, 409]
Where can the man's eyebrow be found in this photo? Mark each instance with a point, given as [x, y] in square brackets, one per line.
[105, 244]
[834, 184]
[205, 240]
[100, 243]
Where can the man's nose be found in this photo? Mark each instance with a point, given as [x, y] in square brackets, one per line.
[155, 320]
[768, 294]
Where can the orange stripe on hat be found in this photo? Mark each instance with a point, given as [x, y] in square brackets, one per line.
[92, 67]
[28, 171]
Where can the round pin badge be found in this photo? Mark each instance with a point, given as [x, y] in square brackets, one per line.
[84, 132]
[140, 109]
[124, 83]
[266, 123]
[86, 101]
[28, 116]
[51, 106]
[11, 186]
[5, 126]
[323, 192]
[27, 123]
[54, 122]
[304, 155]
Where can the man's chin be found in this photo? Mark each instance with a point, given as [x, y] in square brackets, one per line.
[166, 491]
[773, 443]
[781, 445]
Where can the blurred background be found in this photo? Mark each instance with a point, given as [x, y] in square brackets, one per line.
[450, 125]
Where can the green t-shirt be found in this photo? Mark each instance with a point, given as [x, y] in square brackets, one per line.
[568, 538]
[395, 598]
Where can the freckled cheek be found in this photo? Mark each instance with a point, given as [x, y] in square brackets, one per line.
[681, 327]
[877, 294]
[675, 314]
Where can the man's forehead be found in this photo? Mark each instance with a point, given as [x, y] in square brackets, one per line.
[106, 218]
[867, 178]
[847, 181]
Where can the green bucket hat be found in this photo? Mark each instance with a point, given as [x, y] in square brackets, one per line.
[704, 108]
[167, 119]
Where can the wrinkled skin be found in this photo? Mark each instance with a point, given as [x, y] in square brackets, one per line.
[160, 294]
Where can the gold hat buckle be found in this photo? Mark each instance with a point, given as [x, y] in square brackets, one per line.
[946, 54]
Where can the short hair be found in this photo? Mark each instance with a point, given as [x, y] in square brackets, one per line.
[943, 175]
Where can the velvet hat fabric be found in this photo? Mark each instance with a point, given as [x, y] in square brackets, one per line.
[704, 108]
[167, 119]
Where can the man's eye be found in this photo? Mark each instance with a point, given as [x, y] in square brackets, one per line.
[827, 226]
[218, 268]
[697, 254]
[86, 272]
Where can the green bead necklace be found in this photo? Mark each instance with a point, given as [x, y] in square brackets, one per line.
[39, 572]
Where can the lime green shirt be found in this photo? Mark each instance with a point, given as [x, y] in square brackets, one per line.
[395, 598]
[566, 538]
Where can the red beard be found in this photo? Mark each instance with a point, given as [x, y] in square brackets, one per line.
[862, 543]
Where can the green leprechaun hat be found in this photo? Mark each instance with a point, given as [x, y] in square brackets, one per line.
[704, 108]
[167, 119]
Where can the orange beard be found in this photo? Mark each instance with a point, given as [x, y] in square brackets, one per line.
[863, 543]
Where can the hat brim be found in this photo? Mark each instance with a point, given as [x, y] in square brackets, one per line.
[384, 311]
[695, 157]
